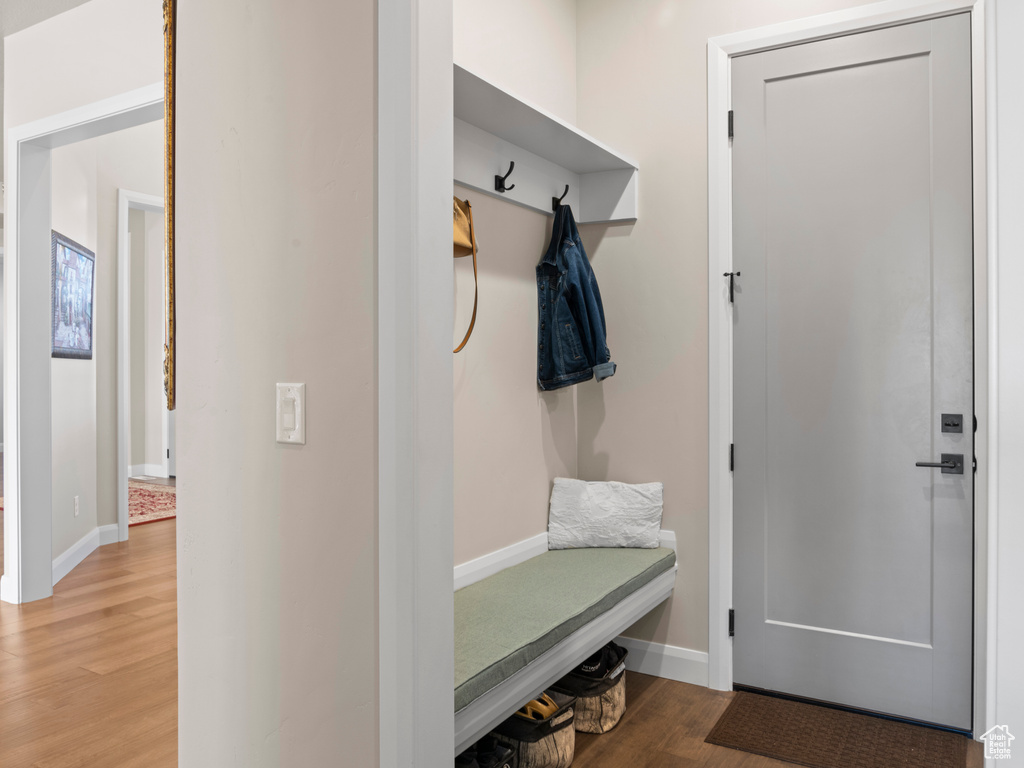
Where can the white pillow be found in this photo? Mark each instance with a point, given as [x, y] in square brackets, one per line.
[608, 514]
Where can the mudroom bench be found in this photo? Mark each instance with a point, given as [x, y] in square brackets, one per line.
[524, 617]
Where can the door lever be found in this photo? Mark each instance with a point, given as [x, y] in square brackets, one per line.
[951, 464]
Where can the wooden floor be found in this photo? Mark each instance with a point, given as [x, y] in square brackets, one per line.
[89, 677]
[664, 727]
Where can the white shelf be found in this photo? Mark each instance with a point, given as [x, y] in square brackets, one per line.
[494, 127]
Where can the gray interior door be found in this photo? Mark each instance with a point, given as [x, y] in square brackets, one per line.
[853, 336]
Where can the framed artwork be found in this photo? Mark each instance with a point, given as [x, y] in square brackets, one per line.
[72, 277]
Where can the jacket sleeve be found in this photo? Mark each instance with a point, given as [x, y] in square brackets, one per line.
[589, 314]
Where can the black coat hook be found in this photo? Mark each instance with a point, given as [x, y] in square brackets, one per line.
[499, 181]
[556, 202]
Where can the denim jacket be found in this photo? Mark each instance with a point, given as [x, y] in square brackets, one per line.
[571, 343]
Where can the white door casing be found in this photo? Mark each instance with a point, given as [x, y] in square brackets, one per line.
[28, 561]
[170, 460]
[126, 200]
[414, 377]
[721, 55]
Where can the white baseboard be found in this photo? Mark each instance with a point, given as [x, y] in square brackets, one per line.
[150, 470]
[491, 563]
[108, 534]
[67, 561]
[8, 594]
[666, 661]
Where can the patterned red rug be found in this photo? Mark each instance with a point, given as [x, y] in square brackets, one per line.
[148, 502]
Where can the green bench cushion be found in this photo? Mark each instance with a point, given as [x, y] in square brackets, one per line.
[507, 620]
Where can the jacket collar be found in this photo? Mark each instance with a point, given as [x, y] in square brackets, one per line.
[563, 229]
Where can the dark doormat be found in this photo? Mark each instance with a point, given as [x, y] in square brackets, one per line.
[821, 737]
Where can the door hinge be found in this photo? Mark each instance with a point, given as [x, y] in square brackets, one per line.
[732, 622]
[168, 453]
[730, 123]
[732, 284]
[732, 457]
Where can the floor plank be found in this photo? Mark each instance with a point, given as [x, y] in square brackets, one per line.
[89, 677]
[664, 727]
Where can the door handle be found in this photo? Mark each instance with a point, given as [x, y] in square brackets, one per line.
[951, 464]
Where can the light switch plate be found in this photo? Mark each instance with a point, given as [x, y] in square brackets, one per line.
[291, 414]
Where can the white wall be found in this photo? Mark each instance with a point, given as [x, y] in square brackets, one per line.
[511, 440]
[47, 74]
[148, 403]
[137, 313]
[640, 85]
[156, 400]
[642, 77]
[16, 15]
[131, 159]
[86, 178]
[1008, 496]
[276, 282]
[73, 382]
[527, 47]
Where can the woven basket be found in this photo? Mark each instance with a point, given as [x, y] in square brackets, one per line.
[549, 743]
[601, 701]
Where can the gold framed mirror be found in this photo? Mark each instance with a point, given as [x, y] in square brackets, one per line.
[170, 29]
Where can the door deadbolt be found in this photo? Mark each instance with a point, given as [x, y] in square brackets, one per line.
[952, 422]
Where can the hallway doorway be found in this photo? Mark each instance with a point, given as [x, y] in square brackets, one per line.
[29, 569]
[146, 439]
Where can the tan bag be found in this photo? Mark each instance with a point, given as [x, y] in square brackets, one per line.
[464, 237]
